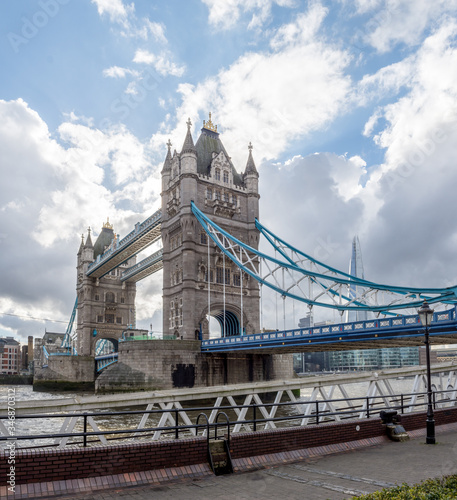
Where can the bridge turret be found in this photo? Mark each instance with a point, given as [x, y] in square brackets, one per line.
[188, 153]
[166, 169]
[251, 179]
[81, 247]
[87, 251]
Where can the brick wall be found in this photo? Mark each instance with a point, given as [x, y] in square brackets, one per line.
[73, 463]
[281, 440]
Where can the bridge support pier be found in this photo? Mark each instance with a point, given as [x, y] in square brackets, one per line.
[167, 364]
[65, 373]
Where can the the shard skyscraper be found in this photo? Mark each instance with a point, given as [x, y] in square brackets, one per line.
[356, 269]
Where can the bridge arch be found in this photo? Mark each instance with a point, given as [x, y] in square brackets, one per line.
[105, 344]
[232, 316]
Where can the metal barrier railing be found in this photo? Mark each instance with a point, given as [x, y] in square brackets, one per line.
[368, 406]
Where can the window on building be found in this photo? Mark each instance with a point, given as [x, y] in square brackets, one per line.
[211, 275]
[97, 296]
[203, 238]
[236, 280]
[109, 297]
[226, 177]
[234, 199]
[122, 300]
[209, 194]
[227, 276]
[217, 174]
[219, 275]
[218, 195]
[226, 197]
[109, 318]
[99, 319]
[118, 320]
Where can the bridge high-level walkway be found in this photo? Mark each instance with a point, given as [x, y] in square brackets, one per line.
[137, 240]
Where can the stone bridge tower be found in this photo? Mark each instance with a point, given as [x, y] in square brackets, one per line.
[204, 173]
[106, 306]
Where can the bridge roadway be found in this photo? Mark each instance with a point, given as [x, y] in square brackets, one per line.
[401, 331]
[112, 401]
[137, 240]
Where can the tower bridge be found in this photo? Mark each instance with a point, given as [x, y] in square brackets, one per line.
[209, 229]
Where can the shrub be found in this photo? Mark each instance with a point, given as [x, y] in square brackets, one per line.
[444, 488]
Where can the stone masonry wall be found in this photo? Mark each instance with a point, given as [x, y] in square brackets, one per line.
[165, 364]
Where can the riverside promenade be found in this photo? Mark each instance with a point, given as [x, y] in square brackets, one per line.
[327, 473]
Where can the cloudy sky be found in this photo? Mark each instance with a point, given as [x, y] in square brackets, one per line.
[350, 105]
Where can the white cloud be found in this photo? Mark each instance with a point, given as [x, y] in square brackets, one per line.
[161, 63]
[302, 30]
[396, 22]
[118, 72]
[54, 189]
[115, 9]
[157, 30]
[409, 199]
[144, 57]
[275, 97]
[226, 14]
[428, 106]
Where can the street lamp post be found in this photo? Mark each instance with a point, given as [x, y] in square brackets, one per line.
[426, 315]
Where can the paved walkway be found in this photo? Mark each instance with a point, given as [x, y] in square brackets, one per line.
[338, 476]
[333, 477]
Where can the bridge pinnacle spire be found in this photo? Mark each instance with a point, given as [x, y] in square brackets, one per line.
[107, 225]
[168, 158]
[82, 245]
[88, 240]
[209, 124]
[250, 165]
[188, 146]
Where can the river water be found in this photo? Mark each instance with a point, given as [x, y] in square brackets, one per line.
[8, 394]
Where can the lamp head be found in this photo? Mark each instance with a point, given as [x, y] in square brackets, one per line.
[425, 314]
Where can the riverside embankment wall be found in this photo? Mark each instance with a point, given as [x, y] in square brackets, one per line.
[34, 466]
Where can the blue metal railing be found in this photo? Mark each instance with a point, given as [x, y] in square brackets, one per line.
[403, 323]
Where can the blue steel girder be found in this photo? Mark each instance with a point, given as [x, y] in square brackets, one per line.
[146, 267]
[137, 240]
[298, 276]
[70, 335]
[401, 331]
[102, 362]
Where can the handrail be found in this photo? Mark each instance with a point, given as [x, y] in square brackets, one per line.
[397, 402]
[228, 425]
